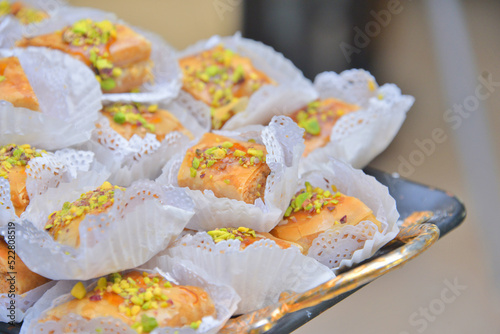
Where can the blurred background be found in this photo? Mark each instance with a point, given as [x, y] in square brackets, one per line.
[446, 54]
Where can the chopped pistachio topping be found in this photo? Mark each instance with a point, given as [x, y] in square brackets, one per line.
[26, 15]
[13, 155]
[92, 36]
[132, 113]
[230, 233]
[139, 293]
[2, 78]
[88, 32]
[222, 76]
[312, 200]
[148, 323]
[78, 291]
[195, 324]
[222, 155]
[311, 117]
[94, 201]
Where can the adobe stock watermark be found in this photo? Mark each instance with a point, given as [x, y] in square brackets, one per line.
[454, 117]
[363, 38]
[424, 316]
[223, 6]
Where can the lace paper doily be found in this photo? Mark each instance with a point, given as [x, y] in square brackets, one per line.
[259, 273]
[49, 171]
[141, 222]
[346, 245]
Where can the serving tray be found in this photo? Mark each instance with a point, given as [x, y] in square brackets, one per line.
[431, 214]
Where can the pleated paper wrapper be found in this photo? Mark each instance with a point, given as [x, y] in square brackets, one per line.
[223, 296]
[357, 137]
[263, 57]
[69, 98]
[49, 171]
[22, 302]
[166, 71]
[345, 245]
[284, 145]
[259, 273]
[12, 30]
[142, 221]
[142, 158]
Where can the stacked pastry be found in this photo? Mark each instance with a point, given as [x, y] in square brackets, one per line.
[164, 190]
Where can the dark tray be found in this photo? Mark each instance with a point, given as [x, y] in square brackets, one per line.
[448, 212]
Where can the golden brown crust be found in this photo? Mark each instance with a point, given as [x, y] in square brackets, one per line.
[133, 76]
[303, 226]
[247, 237]
[126, 51]
[176, 306]
[223, 80]
[162, 121]
[236, 172]
[14, 85]
[318, 119]
[13, 163]
[18, 193]
[25, 279]
[64, 224]
[127, 48]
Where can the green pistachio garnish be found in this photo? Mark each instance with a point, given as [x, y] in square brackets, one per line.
[220, 75]
[212, 70]
[196, 163]
[239, 153]
[2, 78]
[4, 8]
[193, 172]
[131, 113]
[255, 152]
[230, 233]
[238, 74]
[108, 84]
[195, 324]
[14, 155]
[311, 125]
[119, 118]
[312, 199]
[313, 105]
[88, 32]
[98, 198]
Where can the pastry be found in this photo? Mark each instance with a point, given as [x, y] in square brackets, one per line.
[142, 301]
[12, 266]
[247, 237]
[315, 210]
[230, 168]
[130, 119]
[119, 56]
[25, 14]
[64, 224]
[223, 80]
[15, 86]
[318, 119]
[13, 161]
